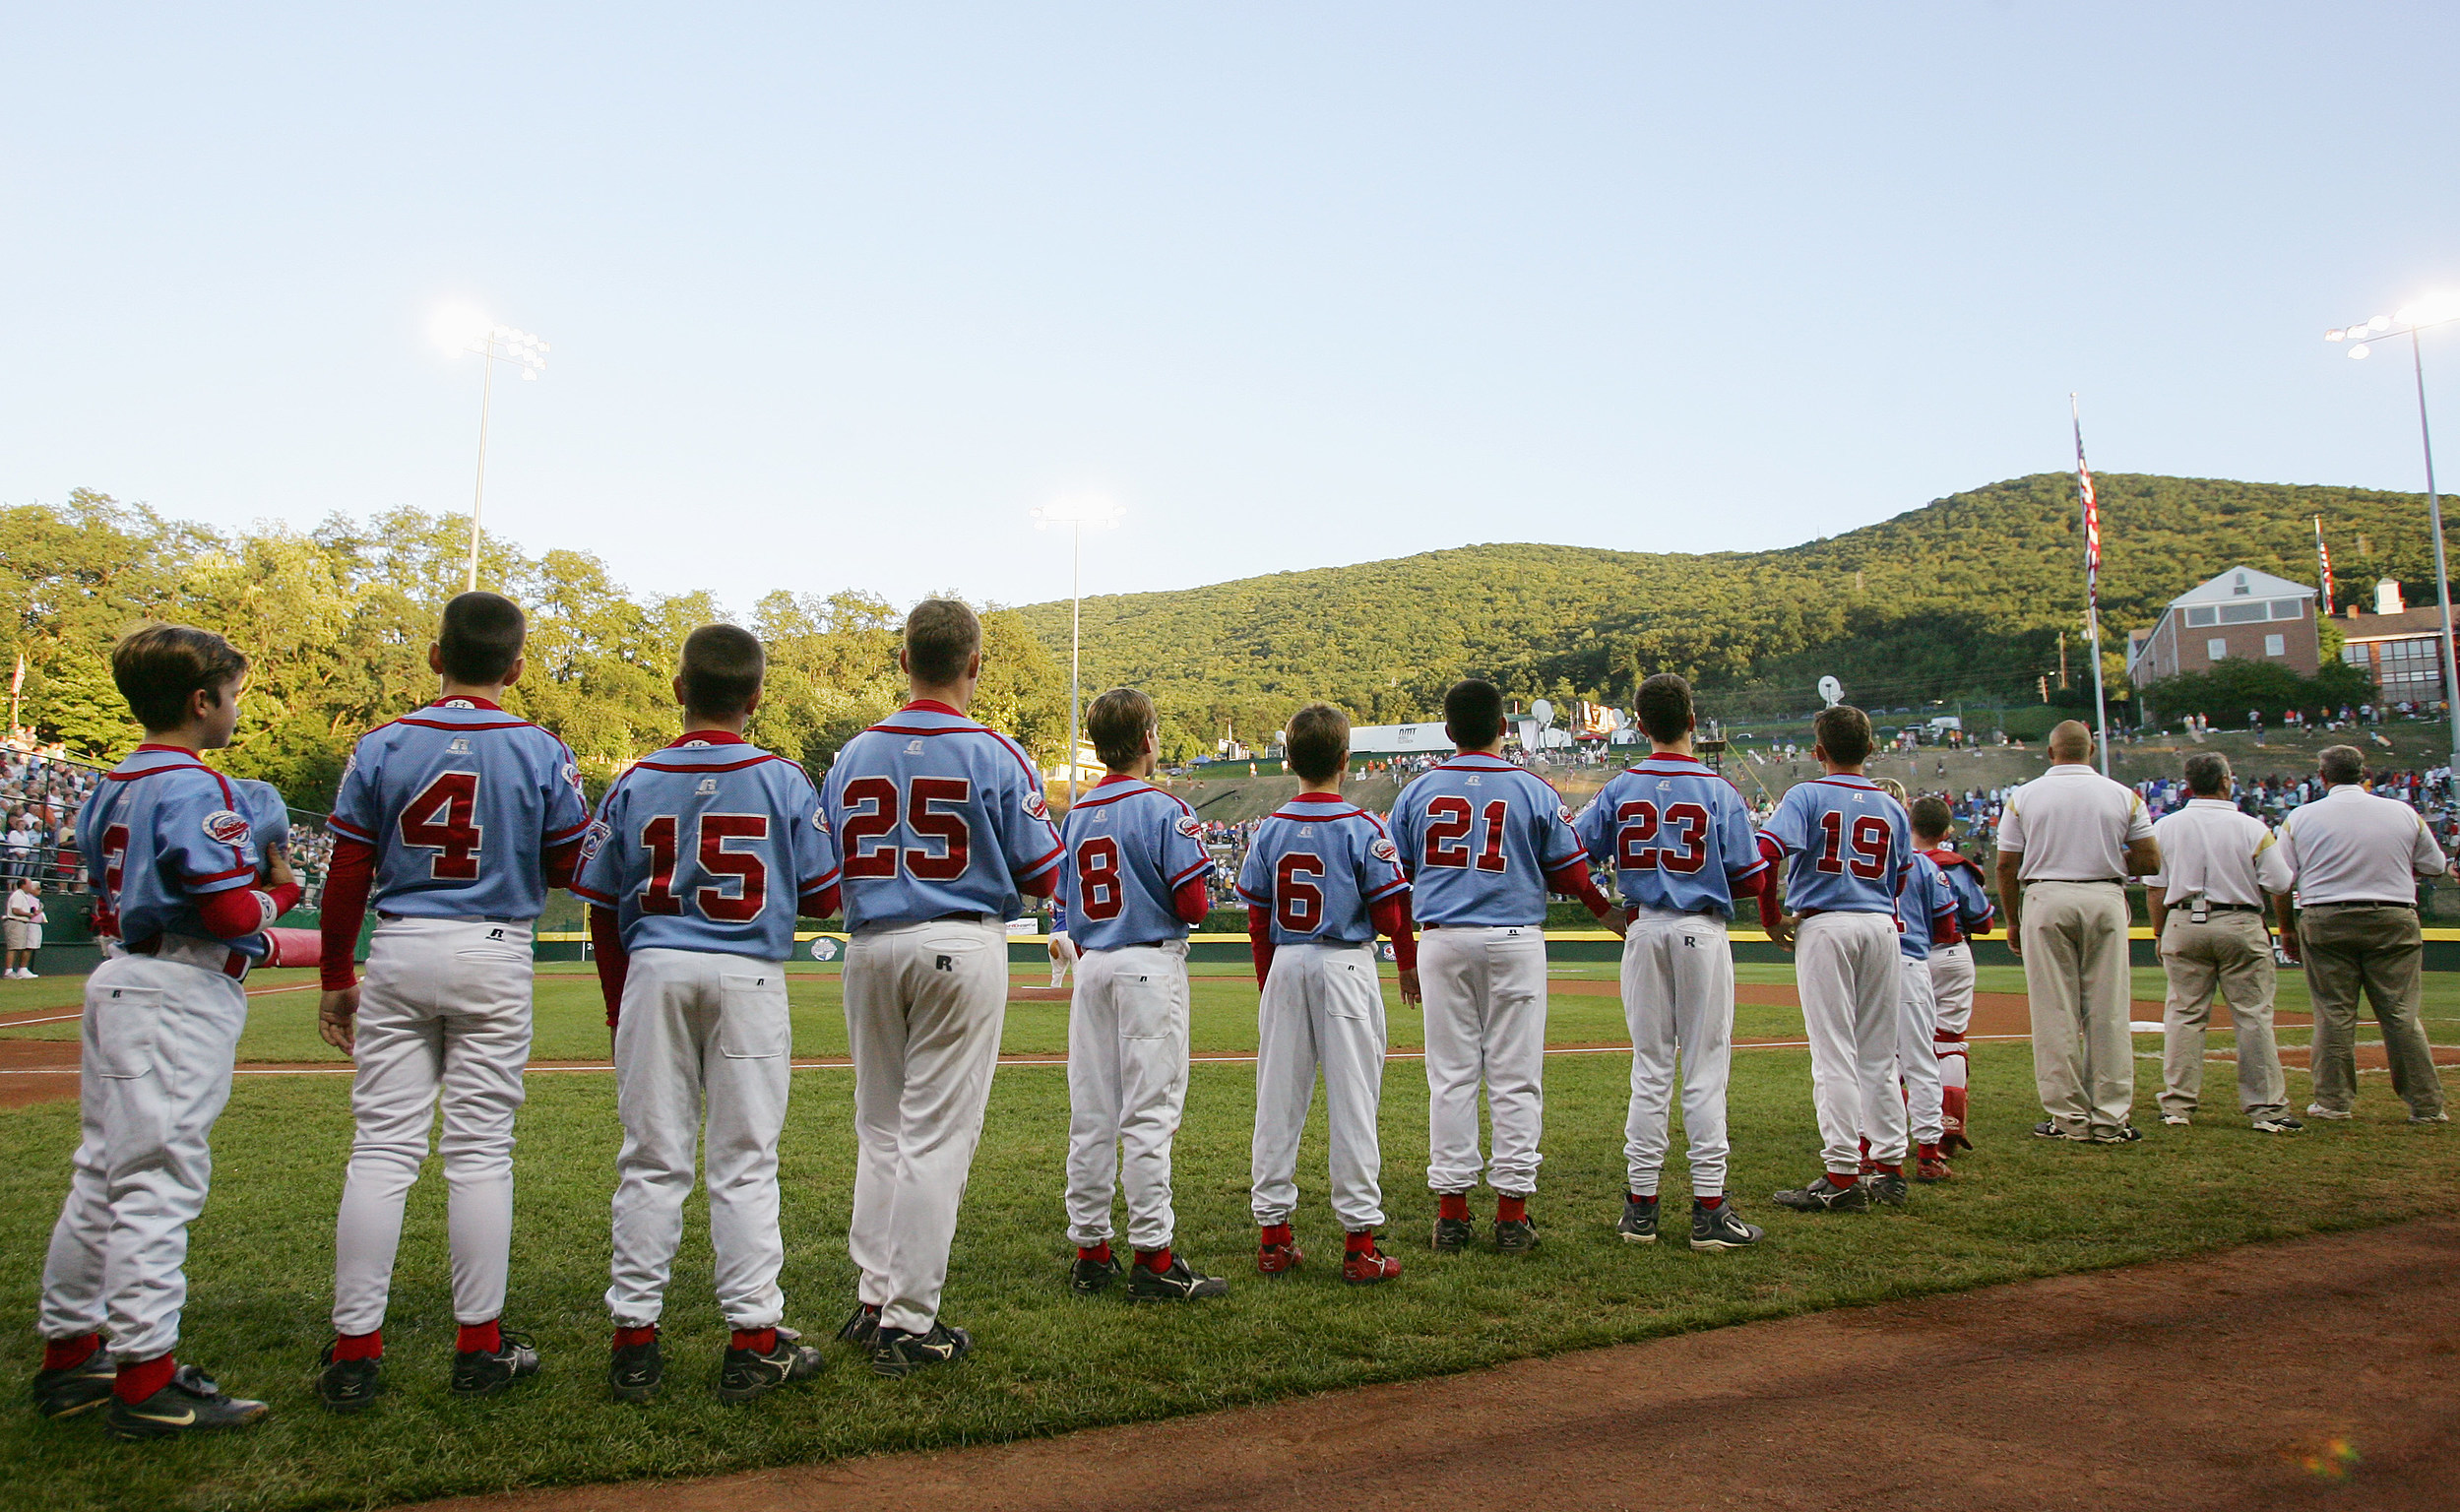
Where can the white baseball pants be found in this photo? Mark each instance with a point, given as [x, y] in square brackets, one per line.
[1918, 1053]
[1678, 1000]
[1952, 993]
[155, 1050]
[1323, 1007]
[1847, 967]
[924, 1005]
[445, 1011]
[1127, 1085]
[701, 1035]
[1485, 1005]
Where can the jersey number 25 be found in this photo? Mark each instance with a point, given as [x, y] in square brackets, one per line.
[880, 804]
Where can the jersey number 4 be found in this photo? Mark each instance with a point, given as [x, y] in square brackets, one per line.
[1448, 823]
[1673, 838]
[444, 818]
[747, 873]
[873, 806]
[1869, 860]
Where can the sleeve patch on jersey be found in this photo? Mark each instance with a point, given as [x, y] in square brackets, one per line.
[571, 776]
[592, 841]
[1191, 827]
[227, 828]
[1565, 809]
[1383, 851]
[820, 820]
[1034, 804]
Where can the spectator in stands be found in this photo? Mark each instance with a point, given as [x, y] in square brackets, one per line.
[23, 930]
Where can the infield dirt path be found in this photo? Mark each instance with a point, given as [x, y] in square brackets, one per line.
[2324, 1372]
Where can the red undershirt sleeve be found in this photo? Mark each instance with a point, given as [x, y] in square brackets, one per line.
[1572, 880]
[348, 879]
[1191, 902]
[245, 910]
[823, 904]
[1391, 919]
[1260, 941]
[558, 862]
[1771, 898]
[613, 962]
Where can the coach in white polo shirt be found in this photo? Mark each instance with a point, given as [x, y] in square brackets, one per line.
[2067, 842]
[2210, 917]
[2356, 859]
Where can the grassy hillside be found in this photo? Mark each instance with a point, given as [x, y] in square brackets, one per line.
[1964, 596]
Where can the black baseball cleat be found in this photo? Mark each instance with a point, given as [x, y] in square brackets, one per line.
[1883, 1187]
[2123, 1134]
[75, 1389]
[2277, 1123]
[1720, 1228]
[189, 1403]
[636, 1371]
[1454, 1234]
[1085, 1278]
[485, 1372]
[1826, 1195]
[349, 1385]
[897, 1352]
[748, 1373]
[861, 1327]
[2049, 1128]
[1639, 1225]
[1515, 1236]
[1178, 1284]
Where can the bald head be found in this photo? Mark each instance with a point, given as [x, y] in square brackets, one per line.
[2071, 741]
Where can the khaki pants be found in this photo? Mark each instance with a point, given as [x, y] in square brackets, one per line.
[2374, 947]
[2233, 953]
[2075, 977]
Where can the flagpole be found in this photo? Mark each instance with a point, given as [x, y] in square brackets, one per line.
[2092, 582]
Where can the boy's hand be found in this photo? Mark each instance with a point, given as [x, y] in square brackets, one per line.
[1618, 923]
[1409, 985]
[278, 868]
[1780, 933]
[336, 1019]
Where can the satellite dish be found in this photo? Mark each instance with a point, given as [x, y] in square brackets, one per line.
[1544, 711]
[1832, 690]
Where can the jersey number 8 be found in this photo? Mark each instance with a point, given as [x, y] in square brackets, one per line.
[882, 804]
[1098, 891]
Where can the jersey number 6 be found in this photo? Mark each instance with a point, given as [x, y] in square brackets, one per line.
[881, 803]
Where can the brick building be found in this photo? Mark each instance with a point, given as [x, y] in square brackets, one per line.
[2401, 647]
[2241, 614]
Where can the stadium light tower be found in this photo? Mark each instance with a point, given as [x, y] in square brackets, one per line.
[458, 328]
[2442, 309]
[1076, 514]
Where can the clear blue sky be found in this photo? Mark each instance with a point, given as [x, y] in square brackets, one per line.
[838, 294]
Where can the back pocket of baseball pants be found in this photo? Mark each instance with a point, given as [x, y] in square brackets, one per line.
[752, 1019]
[123, 1023]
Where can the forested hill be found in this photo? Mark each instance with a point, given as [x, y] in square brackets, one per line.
[1964, 596]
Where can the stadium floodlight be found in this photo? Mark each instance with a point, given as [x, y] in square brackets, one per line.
[2441, 308]
[1076, 513]
[465, 327]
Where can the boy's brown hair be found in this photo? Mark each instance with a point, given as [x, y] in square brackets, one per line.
[1844, 732]
[1318, 742]
[1664, 707]
[1116, 723]
[480, 636]
[158, 667]
[941, 637]
[723, 668]
[1932, 817]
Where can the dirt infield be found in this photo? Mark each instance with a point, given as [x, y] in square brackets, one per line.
[2323, 1372]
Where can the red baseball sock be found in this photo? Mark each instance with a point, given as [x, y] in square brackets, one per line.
[1509, 1209]
[1156, 1260]
[481, 1338]
[1361, 1242]
[1647, 1197]
[1887, 1170]
[366, 1346]
[1274, 1233]
[760, 1341]
[144, 1378]
[69, 1354]
[1844, 1179]
[625, 1338]
[1928, 1153]
[1452, 1205]
[1717, 1201]
[1100, 1254]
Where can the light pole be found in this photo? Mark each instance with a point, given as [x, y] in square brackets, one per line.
[2424, 315]
[1076, 514]
[458, 329]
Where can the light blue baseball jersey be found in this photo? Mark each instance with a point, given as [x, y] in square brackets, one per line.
[710, 845]
[268, 817]
[1131, 846]
[1058, 916]
[1925, 909]
[1478, 837]
[161, 831]
[1676, 834]
[938, 815]
[460, 800]
[1318, 864]
[1851, 846]
[1975, 913]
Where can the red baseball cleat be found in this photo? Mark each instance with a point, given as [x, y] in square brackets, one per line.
[1365, 1267]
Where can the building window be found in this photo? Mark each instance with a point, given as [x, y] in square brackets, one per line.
[2355, 654]
[2245, 613]
[2410, 668]
[2289, 608]
[2276, 645]
[2216, 648]
[2197, 618]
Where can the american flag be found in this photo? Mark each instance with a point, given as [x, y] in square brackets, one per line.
[2323, 561]
[2091, 536]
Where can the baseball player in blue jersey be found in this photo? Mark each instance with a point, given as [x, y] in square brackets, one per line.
[1951, 964]
[1925, 912]
[700, 859]
[455, 819]
[944, 829]
[1134, 883]
[171, 856]
[1321, 880]
[1680, 843]
[1847, 849]
[1482, 842]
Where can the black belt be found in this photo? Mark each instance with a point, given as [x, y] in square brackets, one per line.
[456, 918]
[958, 918]
[2221, 907]
[2357, 903]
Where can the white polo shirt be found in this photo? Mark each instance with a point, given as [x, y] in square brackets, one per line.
[2072, 825]
[2210, 848]
[2349, 846]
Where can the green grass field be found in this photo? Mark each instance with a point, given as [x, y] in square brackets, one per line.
[1048, 1362]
